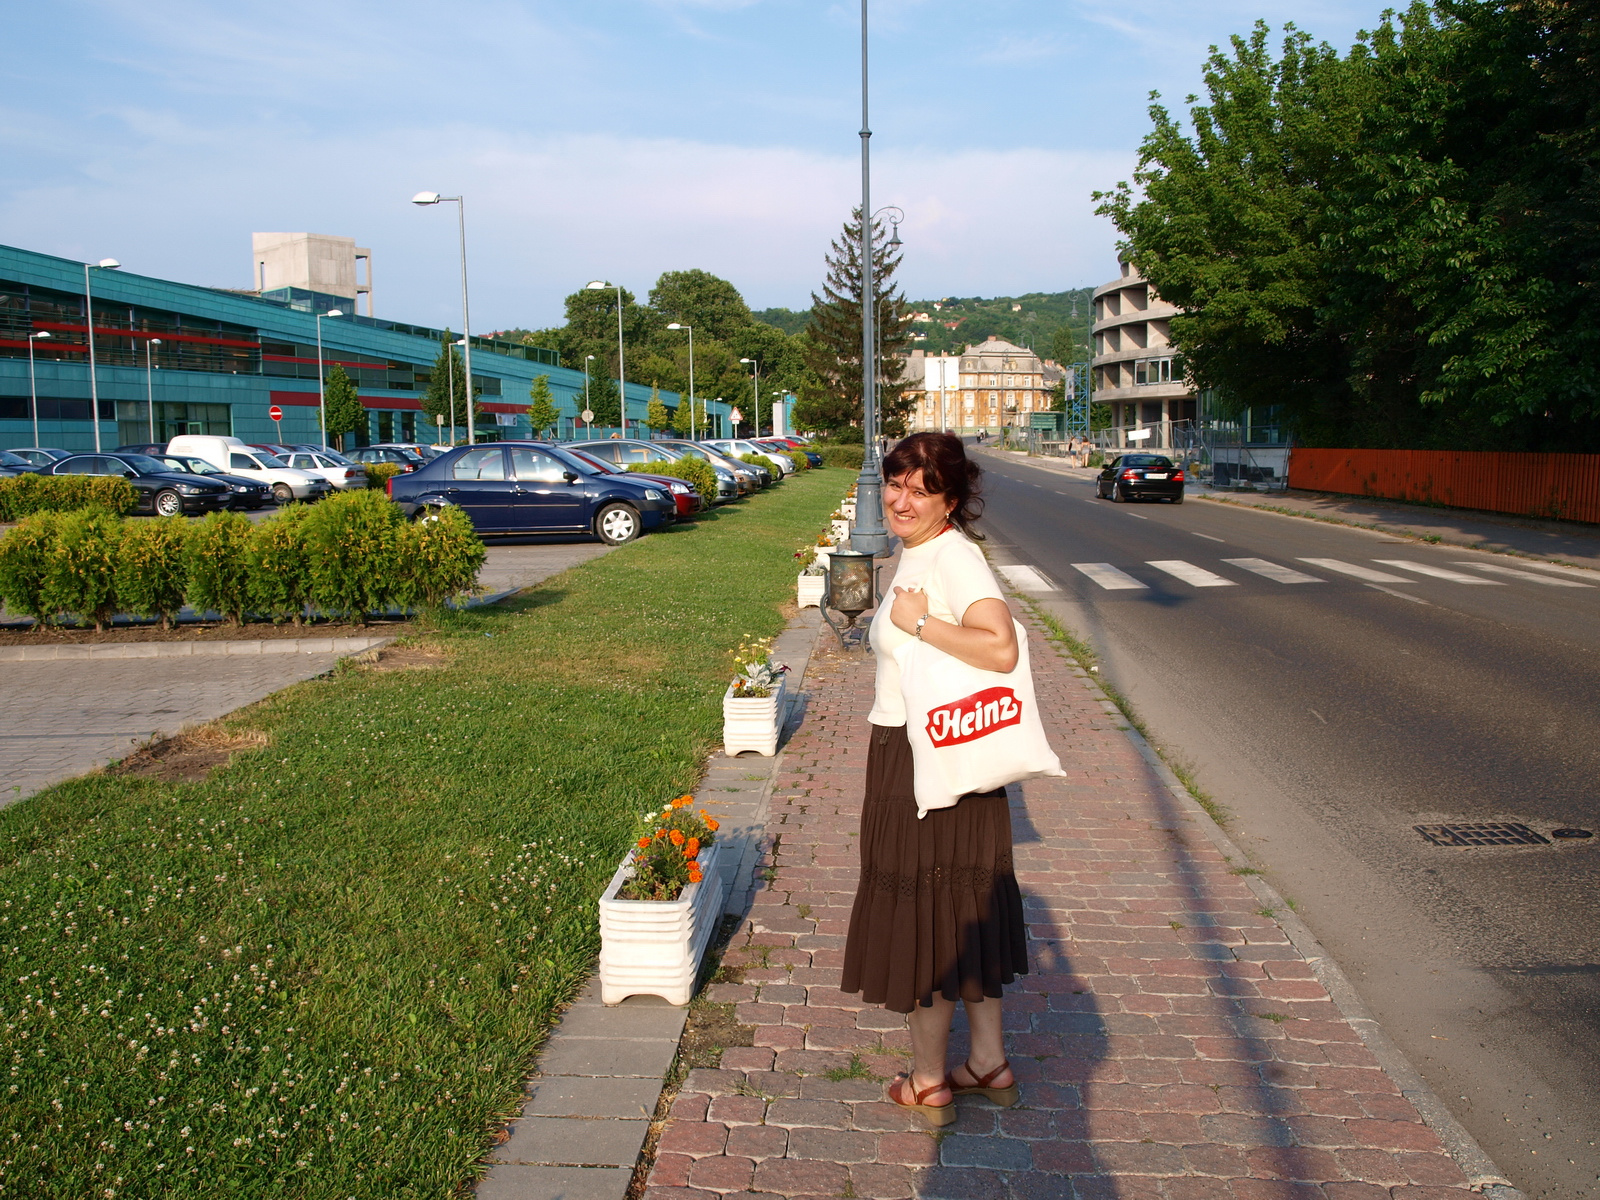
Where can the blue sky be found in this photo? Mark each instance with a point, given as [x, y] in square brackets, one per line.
[598, 138]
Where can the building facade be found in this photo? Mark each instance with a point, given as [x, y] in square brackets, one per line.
[174, 358]
[988, 386]
[311, 262]
[1135, 371]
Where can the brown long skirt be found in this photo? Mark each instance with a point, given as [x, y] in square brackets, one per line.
[937, 908]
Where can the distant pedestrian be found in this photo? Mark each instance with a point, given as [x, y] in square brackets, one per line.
[937, 915]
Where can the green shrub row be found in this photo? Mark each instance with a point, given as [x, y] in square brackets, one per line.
[761, 460]
[380, 473]
[24, 495]
[847, 455]
[696, 471]
[348, 556]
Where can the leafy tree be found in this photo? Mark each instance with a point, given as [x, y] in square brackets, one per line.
[658, 416]
[343, 404]
[698, 298]
[604, 397]
[543, 415]
[681, 419]
[436, 401]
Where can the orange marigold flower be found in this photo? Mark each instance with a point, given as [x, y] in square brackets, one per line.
[676, 836]
[644, 843]
[694, 874]
[683, 802]
[711, 824]
[692, 849]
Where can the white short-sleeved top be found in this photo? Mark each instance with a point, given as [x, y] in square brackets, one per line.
[955, 575]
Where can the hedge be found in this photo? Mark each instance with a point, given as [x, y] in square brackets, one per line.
[151, 575]
[761, 460]
[379, 473]
[354, 554]
[25, 562]
[696, 471]
[24, 495]
[842, 456]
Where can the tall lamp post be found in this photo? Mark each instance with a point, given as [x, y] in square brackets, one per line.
[588, 425]
[150, 386]
[322, 377]
[109, 264]
[690, 328]
[600, 285]
[33, 388]
[424, 198]
[869, 534]
[755, 391]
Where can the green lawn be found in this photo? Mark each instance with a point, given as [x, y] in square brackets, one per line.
[325, 970]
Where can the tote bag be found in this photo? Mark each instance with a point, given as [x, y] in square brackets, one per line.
[970, 730]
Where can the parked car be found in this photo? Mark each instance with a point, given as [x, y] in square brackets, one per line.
[789, 445]
[245, 493]
[41, 456]
[734, 447]
[1135, 476]
[764, 477]
[684, 494]
[153, 449]
[623, 452]
[12, 464]
[342, 474]
[233, 456]
[403, 457]
[159, 489]
[744, 476]
[533, 487]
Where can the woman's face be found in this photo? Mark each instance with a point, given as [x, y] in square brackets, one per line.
[914, 514]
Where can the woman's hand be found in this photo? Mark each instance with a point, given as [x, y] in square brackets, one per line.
[909, 604]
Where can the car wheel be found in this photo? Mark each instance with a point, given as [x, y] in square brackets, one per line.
[428, 512]
[168, 504]
[1118, 496]
[282, 493]
[616, 524]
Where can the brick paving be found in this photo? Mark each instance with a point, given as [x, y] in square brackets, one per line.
[1171, 1043]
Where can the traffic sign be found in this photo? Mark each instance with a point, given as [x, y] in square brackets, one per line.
[588, 416]
[275, 413]
[736, 416]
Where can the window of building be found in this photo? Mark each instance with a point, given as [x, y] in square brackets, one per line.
[1152, 371]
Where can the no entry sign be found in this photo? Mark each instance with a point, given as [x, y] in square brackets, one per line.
[275, 413]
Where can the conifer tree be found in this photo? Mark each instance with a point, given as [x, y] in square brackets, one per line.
[604, 398]
[658, 416]
[542, 412]
[436, 401]
[343, 405]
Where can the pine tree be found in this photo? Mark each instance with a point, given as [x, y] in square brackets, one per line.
[833, 350]
[436, 400]
[542, 412]
[658, 416]
[681, 419]
[343, 405]
[604, 398]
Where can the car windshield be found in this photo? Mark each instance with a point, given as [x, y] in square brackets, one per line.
[270, 460]
[194, 466]
[572, 460]
[335, 458]
[144, 464]
[8, 459]
[604, 467]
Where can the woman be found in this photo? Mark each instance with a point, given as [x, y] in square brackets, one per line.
[937, 915]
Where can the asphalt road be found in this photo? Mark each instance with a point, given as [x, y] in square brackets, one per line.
[1331, 714]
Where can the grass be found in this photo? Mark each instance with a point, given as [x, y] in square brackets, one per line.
[324, 970]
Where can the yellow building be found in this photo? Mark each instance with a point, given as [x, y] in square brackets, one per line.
[986, 387]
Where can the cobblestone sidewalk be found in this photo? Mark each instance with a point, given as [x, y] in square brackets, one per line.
[1171, 1042]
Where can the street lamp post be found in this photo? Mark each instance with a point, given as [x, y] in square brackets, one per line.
[869, 534]
[110, 264]
[690, 328]
[33, 388]
[150, 386]
[423, 198]
[600, 285]
[755, 392]
[588, 425]
[322, 376]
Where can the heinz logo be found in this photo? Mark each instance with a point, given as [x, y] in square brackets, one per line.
[979, 715]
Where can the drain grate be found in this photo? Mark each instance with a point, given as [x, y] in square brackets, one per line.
[1482, 833]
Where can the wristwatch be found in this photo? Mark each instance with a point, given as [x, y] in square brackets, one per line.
[916, 632]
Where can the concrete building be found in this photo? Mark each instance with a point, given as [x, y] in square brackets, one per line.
[283, 263]
[1135, 371]
[987, 386]
[187, 359]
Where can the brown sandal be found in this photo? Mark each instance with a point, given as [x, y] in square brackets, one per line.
[937, 1114]
[1005, 1097]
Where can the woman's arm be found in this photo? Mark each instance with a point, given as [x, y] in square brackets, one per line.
[985, 638]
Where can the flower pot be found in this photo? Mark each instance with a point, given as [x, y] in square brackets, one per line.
[752, 723]
[823, 554]
[849, 511]
[653, 947]
[840, 530]
[809, 590]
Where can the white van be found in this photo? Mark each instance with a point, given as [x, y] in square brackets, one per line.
[230, 454]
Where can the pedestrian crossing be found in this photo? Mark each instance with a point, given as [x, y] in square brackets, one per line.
[1113, 578]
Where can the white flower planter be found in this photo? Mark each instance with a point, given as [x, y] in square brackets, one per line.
[824, 553]
[752, 723]
[653, 947]
[849, 511]
[840, 530]
[809, 590]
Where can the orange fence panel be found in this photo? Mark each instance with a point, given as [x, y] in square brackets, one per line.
[1563, 486]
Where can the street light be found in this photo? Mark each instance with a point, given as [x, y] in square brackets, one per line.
[588, 425]
[149, 386]
[33, 389]
[322, 378]
[755, 391]
[600, 285]
[110, 264]
[869, 533]
[425, 198]
[690, 328]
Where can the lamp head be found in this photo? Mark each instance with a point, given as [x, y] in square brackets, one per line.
[675, 325]
[747, 360]
[596, 285]
[894, 240]
[334, 312]
[461, 341]
[587, 357]
[43, 333]
[109, 264]
[154, 342]
[425, 198]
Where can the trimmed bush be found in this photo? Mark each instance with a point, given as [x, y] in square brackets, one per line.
[82, 575]
[442, 554]
[353, 542]
[25, 563]
[696, 471]
[280, 568]
[761, 460]
[842, 456]
[151, 576]
[217, 564]
[380, 473]
[23, 495]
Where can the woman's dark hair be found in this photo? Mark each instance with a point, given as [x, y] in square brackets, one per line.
[946, 471]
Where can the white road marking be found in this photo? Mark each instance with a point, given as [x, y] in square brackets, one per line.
[1344, 568]
[1109, 577]
[1025, 578]
[1317, 715]
[1580, 572]
[1207, 536]
[1274, 572]
[1547, 580]
[1135, 516]
[1058, 492]
[1378, 587]
[1437, 572]
[1189, 573]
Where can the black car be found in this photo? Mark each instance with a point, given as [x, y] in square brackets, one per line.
[246, 493]
[159, 488]
[407, 460]
[11, 464]
[1136, 476]
[532, 487]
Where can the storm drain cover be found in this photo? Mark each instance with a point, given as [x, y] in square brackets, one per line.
[1482, 833]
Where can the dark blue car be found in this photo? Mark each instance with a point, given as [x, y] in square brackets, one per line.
[533, 487]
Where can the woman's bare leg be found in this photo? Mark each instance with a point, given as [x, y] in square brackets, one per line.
[986, 1020]
[930, 1042]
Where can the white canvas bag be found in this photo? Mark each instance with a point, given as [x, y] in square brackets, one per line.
[970, 730]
